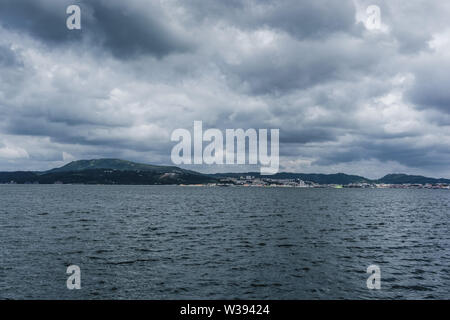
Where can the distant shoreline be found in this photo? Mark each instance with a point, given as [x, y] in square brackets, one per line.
[123, 172]
[328, 186]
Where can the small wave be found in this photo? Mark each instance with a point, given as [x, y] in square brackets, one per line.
[132, 261]
[412, 288]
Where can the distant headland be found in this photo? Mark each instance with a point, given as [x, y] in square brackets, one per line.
[122, 172]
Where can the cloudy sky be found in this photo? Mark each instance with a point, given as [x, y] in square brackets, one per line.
[346, 98]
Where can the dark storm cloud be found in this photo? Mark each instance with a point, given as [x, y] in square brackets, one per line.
[42, 19]
[82, 134]
[310, 18]
[304, 65]
[35, 126]
[308, 135]
[401, 152]
[125, 29]
[140, 29]
[431, 87]
[301, 19]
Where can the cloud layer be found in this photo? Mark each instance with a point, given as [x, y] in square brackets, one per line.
[345, 98]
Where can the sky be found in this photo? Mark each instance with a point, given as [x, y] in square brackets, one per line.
[345, 97]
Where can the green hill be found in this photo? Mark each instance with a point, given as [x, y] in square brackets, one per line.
[113, 164]
[400, 178]
[108, 171]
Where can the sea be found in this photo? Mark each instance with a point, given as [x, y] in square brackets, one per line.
[179, 242]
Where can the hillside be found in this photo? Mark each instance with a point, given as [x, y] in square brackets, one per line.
[108, 171]
[404, 178]
[113, 164]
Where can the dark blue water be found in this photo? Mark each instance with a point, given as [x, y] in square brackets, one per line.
[169, 242]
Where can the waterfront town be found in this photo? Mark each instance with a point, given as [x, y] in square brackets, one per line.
[252, 181]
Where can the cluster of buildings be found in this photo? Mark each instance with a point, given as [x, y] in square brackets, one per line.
[251, 181]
